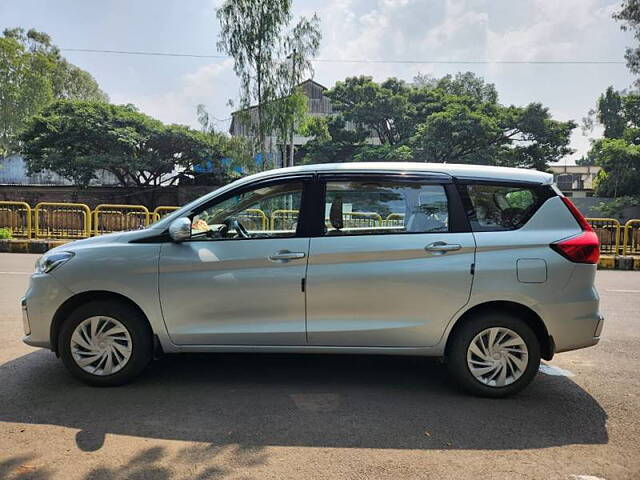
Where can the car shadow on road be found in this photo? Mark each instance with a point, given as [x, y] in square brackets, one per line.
[299, 400]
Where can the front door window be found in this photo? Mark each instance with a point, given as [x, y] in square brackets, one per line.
[270, 211]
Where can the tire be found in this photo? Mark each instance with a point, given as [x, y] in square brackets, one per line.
[122, 346]
[511, 367]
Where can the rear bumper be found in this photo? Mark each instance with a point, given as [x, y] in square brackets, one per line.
[579, 333]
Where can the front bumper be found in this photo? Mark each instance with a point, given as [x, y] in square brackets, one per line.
[39, 305]
[25, 317]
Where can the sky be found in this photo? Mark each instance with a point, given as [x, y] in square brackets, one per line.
[170, 88]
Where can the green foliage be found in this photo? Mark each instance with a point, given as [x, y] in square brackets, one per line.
[32, 74]
[5, 233]
[77, 139]
[254, 33]
[618, 153]
[629, 16]
[452, 119]
[614, 208]
[620, 162]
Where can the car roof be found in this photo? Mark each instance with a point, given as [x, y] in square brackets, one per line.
[480, 172]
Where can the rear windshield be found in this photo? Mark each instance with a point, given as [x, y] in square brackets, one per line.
[502, 207]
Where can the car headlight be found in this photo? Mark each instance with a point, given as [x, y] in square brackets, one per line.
[50, 261]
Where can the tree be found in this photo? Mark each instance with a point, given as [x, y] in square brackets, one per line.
[629, 16]
[33, 73]
[452, 119]
[77, 139]
[618, 153]
[620, 163]
[366, 103]
[300, 45]
[236, 150]
[250, 31]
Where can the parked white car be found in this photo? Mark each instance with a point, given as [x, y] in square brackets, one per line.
[491, 268]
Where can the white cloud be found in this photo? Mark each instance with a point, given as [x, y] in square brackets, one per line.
[555, 31]
[437, 30]
[212, 85]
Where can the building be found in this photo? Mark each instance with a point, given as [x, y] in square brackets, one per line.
[318, 105]
[13, 171]
[575, 181]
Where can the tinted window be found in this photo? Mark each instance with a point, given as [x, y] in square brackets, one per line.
[497, 207]
[385, 207]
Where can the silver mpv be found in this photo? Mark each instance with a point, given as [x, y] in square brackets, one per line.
[491, 268]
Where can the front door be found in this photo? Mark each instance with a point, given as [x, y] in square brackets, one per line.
[393, 266]
[238, 280]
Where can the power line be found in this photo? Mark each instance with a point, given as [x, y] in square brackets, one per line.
[363, 60]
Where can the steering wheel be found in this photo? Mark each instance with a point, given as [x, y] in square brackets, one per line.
[237, 226]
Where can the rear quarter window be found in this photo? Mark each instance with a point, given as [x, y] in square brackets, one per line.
[502, 207]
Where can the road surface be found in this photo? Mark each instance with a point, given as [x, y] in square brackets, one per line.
[325, 417]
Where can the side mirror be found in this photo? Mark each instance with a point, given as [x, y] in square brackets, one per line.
[180, 229]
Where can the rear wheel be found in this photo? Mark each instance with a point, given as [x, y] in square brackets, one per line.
[493, 354]
[105, 343]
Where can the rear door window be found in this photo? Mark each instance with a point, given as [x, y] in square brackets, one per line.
[501, 207]
[385, 207]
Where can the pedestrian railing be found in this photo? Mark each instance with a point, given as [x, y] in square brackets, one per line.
[109, 218]
[254, 219]
[161, 211]
[61, 220]
[284, 219]
[76, 220]
[394, 220]
[609, 233]
[631, 242]
[16, 216]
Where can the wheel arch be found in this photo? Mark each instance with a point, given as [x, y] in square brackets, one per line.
[547, 346]
[82, 298]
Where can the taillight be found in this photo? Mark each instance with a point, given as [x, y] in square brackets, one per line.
[583, 248]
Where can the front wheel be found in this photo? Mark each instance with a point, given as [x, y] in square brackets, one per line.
[105, 343]
[493, 354]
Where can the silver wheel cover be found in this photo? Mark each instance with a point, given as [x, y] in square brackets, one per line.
[497, 357]
[101, 345]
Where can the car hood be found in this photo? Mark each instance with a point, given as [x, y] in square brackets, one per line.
[116, 237]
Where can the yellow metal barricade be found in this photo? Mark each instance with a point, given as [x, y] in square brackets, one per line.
[61, 220]
[284, 219]
[361, 219]
[117, 218]
[609, 232]
[16, 216]
[161, 211]
[394, 220]
[254, 219]
[631, 243]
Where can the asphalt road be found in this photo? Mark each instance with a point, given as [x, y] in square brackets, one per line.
[327, 417]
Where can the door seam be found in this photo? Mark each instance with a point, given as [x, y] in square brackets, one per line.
[306, 289]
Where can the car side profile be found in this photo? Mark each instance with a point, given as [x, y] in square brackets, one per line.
[490, 268]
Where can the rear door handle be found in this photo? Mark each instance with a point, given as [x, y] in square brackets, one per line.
[442, 247]
[283, 256]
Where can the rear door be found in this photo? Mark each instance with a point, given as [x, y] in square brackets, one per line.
[393, 263]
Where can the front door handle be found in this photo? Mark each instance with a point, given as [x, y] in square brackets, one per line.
[283, 256]
[441, 248]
